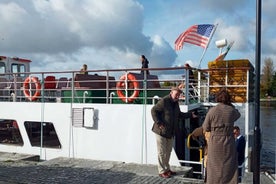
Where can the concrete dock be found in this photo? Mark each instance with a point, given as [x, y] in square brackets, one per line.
[19, 169]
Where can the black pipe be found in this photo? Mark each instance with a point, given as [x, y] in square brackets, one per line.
[257, 132]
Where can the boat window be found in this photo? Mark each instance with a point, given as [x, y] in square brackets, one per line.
[49, 138]
[10, 133]
[2, 67]
[18, 68]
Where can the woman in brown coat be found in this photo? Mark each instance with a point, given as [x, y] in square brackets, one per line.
[222, 165]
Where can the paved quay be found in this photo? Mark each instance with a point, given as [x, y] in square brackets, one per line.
[64, 170]
[83, 171]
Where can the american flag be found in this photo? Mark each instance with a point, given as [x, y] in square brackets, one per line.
[196, 34]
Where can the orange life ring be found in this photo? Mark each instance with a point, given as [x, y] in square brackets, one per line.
[121, 84]
[26, 88]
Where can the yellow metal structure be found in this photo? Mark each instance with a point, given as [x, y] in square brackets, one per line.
[234, 75]
[200, 149]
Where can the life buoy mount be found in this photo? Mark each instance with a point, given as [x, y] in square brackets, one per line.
[122, 88]
[27, 85]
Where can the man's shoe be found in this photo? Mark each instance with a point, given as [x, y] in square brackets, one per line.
[171, 172]
[164, 175]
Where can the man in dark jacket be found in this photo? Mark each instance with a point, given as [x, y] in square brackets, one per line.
[166, 114]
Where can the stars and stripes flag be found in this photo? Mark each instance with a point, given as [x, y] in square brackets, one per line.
[196, 34]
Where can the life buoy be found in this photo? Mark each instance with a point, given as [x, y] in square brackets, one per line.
[121, 84]
[26, 88]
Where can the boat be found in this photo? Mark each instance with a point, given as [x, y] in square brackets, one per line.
[106, 114]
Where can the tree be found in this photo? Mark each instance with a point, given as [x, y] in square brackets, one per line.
[273, 85]
[267, 77]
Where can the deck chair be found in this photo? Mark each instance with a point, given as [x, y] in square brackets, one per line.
[50, 82]
[50, 87]
[61, 83]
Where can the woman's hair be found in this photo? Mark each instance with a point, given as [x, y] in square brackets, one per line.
[223, 97]
[143, 56]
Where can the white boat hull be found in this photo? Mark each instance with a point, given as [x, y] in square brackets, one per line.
[121, 133]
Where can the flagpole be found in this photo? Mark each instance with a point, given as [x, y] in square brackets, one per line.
[212, 33]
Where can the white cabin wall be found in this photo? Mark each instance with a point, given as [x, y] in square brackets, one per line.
[120, 136]
[123, 132]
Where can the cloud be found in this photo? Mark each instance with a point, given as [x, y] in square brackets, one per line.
[27, 30]
[162, 53]
[64, 34]
[63, 26]
[268, 9]
[78, 31]
[234, 33]
[224, 6]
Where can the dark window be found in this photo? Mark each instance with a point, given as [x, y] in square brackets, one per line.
[49, 138]
[9, 132]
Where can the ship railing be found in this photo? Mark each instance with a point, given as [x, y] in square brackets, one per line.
[101, 86]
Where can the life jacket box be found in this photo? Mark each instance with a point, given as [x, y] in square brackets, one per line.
[230, 64]
[238, 94]
[233, 74]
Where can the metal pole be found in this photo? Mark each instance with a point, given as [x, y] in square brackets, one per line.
[257, 132]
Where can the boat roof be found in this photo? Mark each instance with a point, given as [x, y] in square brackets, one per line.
[16, 58]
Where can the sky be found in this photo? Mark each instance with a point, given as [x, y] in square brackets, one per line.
[62, 35]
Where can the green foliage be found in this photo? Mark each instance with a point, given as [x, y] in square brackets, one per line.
[268, 80]
[273, 85]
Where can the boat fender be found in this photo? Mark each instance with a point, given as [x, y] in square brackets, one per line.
[26, 88]
[121, 84]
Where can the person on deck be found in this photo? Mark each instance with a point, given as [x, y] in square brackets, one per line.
[84, 69]
[145, 64]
